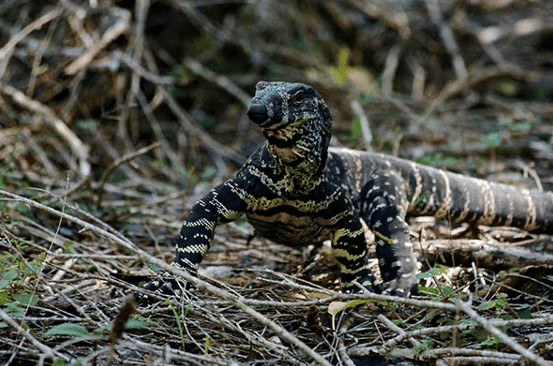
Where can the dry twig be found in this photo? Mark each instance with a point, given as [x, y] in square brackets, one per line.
[281, 332]
[77, 146]
[514, 345]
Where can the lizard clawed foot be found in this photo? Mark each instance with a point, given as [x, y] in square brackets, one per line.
[165, 284]
[367, 281]
[404, 286]
[372, 286]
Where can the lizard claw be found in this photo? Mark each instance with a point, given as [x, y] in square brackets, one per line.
[372, 287]
[165, 284]
[366, 280]
[405, 286]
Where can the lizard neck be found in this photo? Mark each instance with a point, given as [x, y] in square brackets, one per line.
[300, 152]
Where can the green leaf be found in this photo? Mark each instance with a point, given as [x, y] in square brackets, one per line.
[10, 275]
[23, 208]
[522, 126]
[14, 308]
[447, 290]
[206, 345]
[487, 305]
[525, 313]
[480, 335]
[27, 299]
[356, 128]
[153, 267]
[430, 315]
[490, 342]
[343, 58]
[507, 88]
[425, 345]
[421, 198]
[432, 272]
[87, 124]
[67, 329]
[136, 324]
[98, 332]
[342, 65]
[58, 362]
[493, 139]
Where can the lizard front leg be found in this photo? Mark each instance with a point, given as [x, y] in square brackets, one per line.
[350, 249]
[380, 207]
[223, 204]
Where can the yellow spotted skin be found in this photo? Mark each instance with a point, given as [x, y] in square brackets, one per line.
[295, 190]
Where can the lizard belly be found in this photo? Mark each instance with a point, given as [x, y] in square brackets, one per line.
[289, 229]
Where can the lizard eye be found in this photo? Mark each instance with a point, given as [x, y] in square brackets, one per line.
[297, 98]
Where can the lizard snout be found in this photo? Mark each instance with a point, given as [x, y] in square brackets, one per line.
[258, 114]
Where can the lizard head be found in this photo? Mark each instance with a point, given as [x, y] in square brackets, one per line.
[296, 122]
[278, 105]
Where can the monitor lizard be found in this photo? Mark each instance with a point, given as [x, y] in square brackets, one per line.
[296, 190]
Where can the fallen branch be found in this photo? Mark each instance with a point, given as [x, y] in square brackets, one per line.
[122, 24]
[77, 146]
[487, 254]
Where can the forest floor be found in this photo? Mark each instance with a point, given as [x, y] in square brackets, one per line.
[115, 117]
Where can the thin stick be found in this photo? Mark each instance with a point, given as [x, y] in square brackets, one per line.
[392, 62]
[47, 351]
[6, 51]
[122, 160]
[121, 26]
[515, 346]
[447, 37]
[193, 130]
[142, 255]
[77, 146]
[392, 343]
[221, 80]
[396, 329]
[364, 122]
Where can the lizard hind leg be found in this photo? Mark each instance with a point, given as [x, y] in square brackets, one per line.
[380, 208]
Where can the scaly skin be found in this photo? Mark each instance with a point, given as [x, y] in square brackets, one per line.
[294, 190]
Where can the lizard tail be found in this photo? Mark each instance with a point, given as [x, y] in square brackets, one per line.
[466, 199]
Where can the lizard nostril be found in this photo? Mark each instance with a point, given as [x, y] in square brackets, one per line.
[258, 113]
[261, 85]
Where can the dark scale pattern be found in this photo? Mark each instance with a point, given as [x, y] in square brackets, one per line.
[296, 191]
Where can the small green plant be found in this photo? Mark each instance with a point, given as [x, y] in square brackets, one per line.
[498, 302]
[11, 159]
[424, 345]
[432, 273]
[491, 341]
[77, 330]
[493, 139]
[16, 279]
[421, 198]
[434, 159]
[180, 319]
[67, 329]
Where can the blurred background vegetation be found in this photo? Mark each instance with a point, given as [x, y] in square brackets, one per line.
[451, 83]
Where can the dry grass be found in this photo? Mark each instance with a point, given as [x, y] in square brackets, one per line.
[115, 119]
